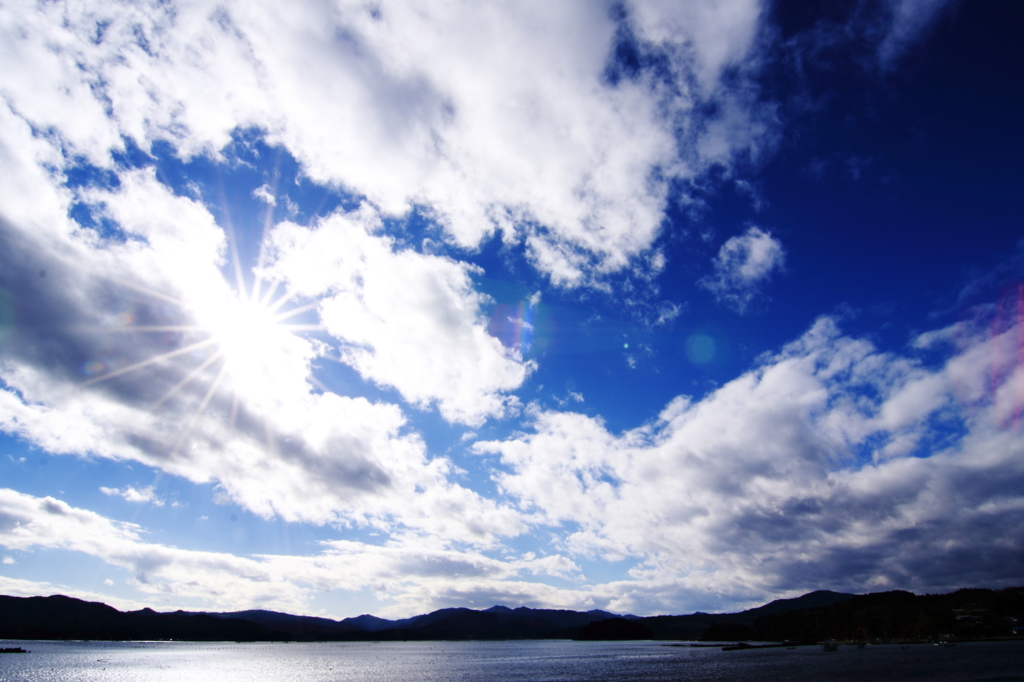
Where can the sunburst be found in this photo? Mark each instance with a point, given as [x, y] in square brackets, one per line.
[246, 332]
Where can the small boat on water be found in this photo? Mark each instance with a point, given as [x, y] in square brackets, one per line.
[830, 647]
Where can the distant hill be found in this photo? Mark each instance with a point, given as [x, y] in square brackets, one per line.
[735, 626]
[964, 614]
[60, 617]
[812, 600]
[813, 617]
[615, 629]
[497, 622]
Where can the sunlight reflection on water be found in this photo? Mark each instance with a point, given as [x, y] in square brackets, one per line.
[506, 661]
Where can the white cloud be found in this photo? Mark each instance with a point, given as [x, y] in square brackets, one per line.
[493, 116]
[409, 570]
[803, 473]
[742, 266]
[146, 494]
[17, 587]
[487, 116]
[28, 522]
[407, 320]
[668, 311]
[720, 33]
[212, 392]
[264, 194]
[8, 561]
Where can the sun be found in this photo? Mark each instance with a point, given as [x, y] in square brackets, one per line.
[248, 345]
[255, 341]
[245, 332]
[243, 329]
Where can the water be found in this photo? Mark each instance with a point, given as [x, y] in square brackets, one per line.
[535, 661]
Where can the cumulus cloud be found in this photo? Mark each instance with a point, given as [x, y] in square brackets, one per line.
[832, 465]
[264, 194]
[405, 571]
[510, 116]
[565, 127]
[742, 267]
[406, 320]
[28, 523]
[409, 574]
[132, 345]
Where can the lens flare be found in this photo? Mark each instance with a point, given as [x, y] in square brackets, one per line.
[6, 315]
[1006, 377]
[514, 325]
[700, 348]
[93, 368]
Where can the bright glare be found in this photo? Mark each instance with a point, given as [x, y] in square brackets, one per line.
[262, 357]
[250, 348]
[245, 332]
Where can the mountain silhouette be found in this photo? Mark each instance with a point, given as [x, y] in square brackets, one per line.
[817, 616]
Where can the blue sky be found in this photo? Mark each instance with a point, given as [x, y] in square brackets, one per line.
[652, 307]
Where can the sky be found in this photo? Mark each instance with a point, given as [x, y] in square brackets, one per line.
[344, 307]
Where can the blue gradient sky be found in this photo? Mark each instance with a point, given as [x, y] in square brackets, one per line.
[648, 307]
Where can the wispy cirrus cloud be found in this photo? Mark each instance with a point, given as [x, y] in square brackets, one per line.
[910, 20]
[132, 494]
[404, 571]
[18, 587]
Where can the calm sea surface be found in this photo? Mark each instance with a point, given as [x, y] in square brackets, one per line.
[501, 661]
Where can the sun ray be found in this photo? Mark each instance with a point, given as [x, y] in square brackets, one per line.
[303, 327]
[245, 325]
[254, 295]
[261, 257]
[153, 328]
[189, 377]
[149, 292]
[234, 411]
[150, 361]
[264, 302]
[293, 312]
[235, 260]
[214, 385]
[319, 384]
[279, 302]
[268, 434]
